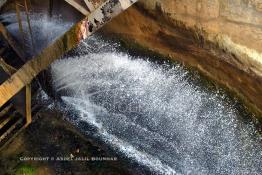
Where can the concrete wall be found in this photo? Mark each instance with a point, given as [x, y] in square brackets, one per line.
[241, 20]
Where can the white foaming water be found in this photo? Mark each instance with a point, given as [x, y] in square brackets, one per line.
[45, 30]
[154, 114]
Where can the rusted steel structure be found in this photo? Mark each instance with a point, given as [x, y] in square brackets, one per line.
[97, 13]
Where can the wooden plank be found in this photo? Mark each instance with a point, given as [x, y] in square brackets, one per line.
[5, 121]
[20, 25]
[13, 136]
[5, 110]
[29, 26]
[89, 5]
[78, 7]
[9, 131]
[6, 67]
[28, 112]
[68, 41]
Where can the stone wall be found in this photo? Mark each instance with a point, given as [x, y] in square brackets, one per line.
[221, 38]
[241, 20]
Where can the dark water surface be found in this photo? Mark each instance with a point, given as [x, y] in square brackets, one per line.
[155, 114]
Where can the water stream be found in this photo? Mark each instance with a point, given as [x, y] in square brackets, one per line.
[156, 114]
[45, 30]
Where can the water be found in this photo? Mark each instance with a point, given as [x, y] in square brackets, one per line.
[45, 30]
[154, 114]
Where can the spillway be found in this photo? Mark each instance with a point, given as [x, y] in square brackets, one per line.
[157, 114]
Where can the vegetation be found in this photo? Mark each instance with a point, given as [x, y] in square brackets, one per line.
[26, 170]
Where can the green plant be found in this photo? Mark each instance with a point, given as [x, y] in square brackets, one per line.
[25, 170]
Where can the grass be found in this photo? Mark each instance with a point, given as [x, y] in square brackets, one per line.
[26, 170]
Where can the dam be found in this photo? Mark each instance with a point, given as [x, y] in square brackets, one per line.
[118, 106]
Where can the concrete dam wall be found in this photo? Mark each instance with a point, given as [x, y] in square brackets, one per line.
[222, 39]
